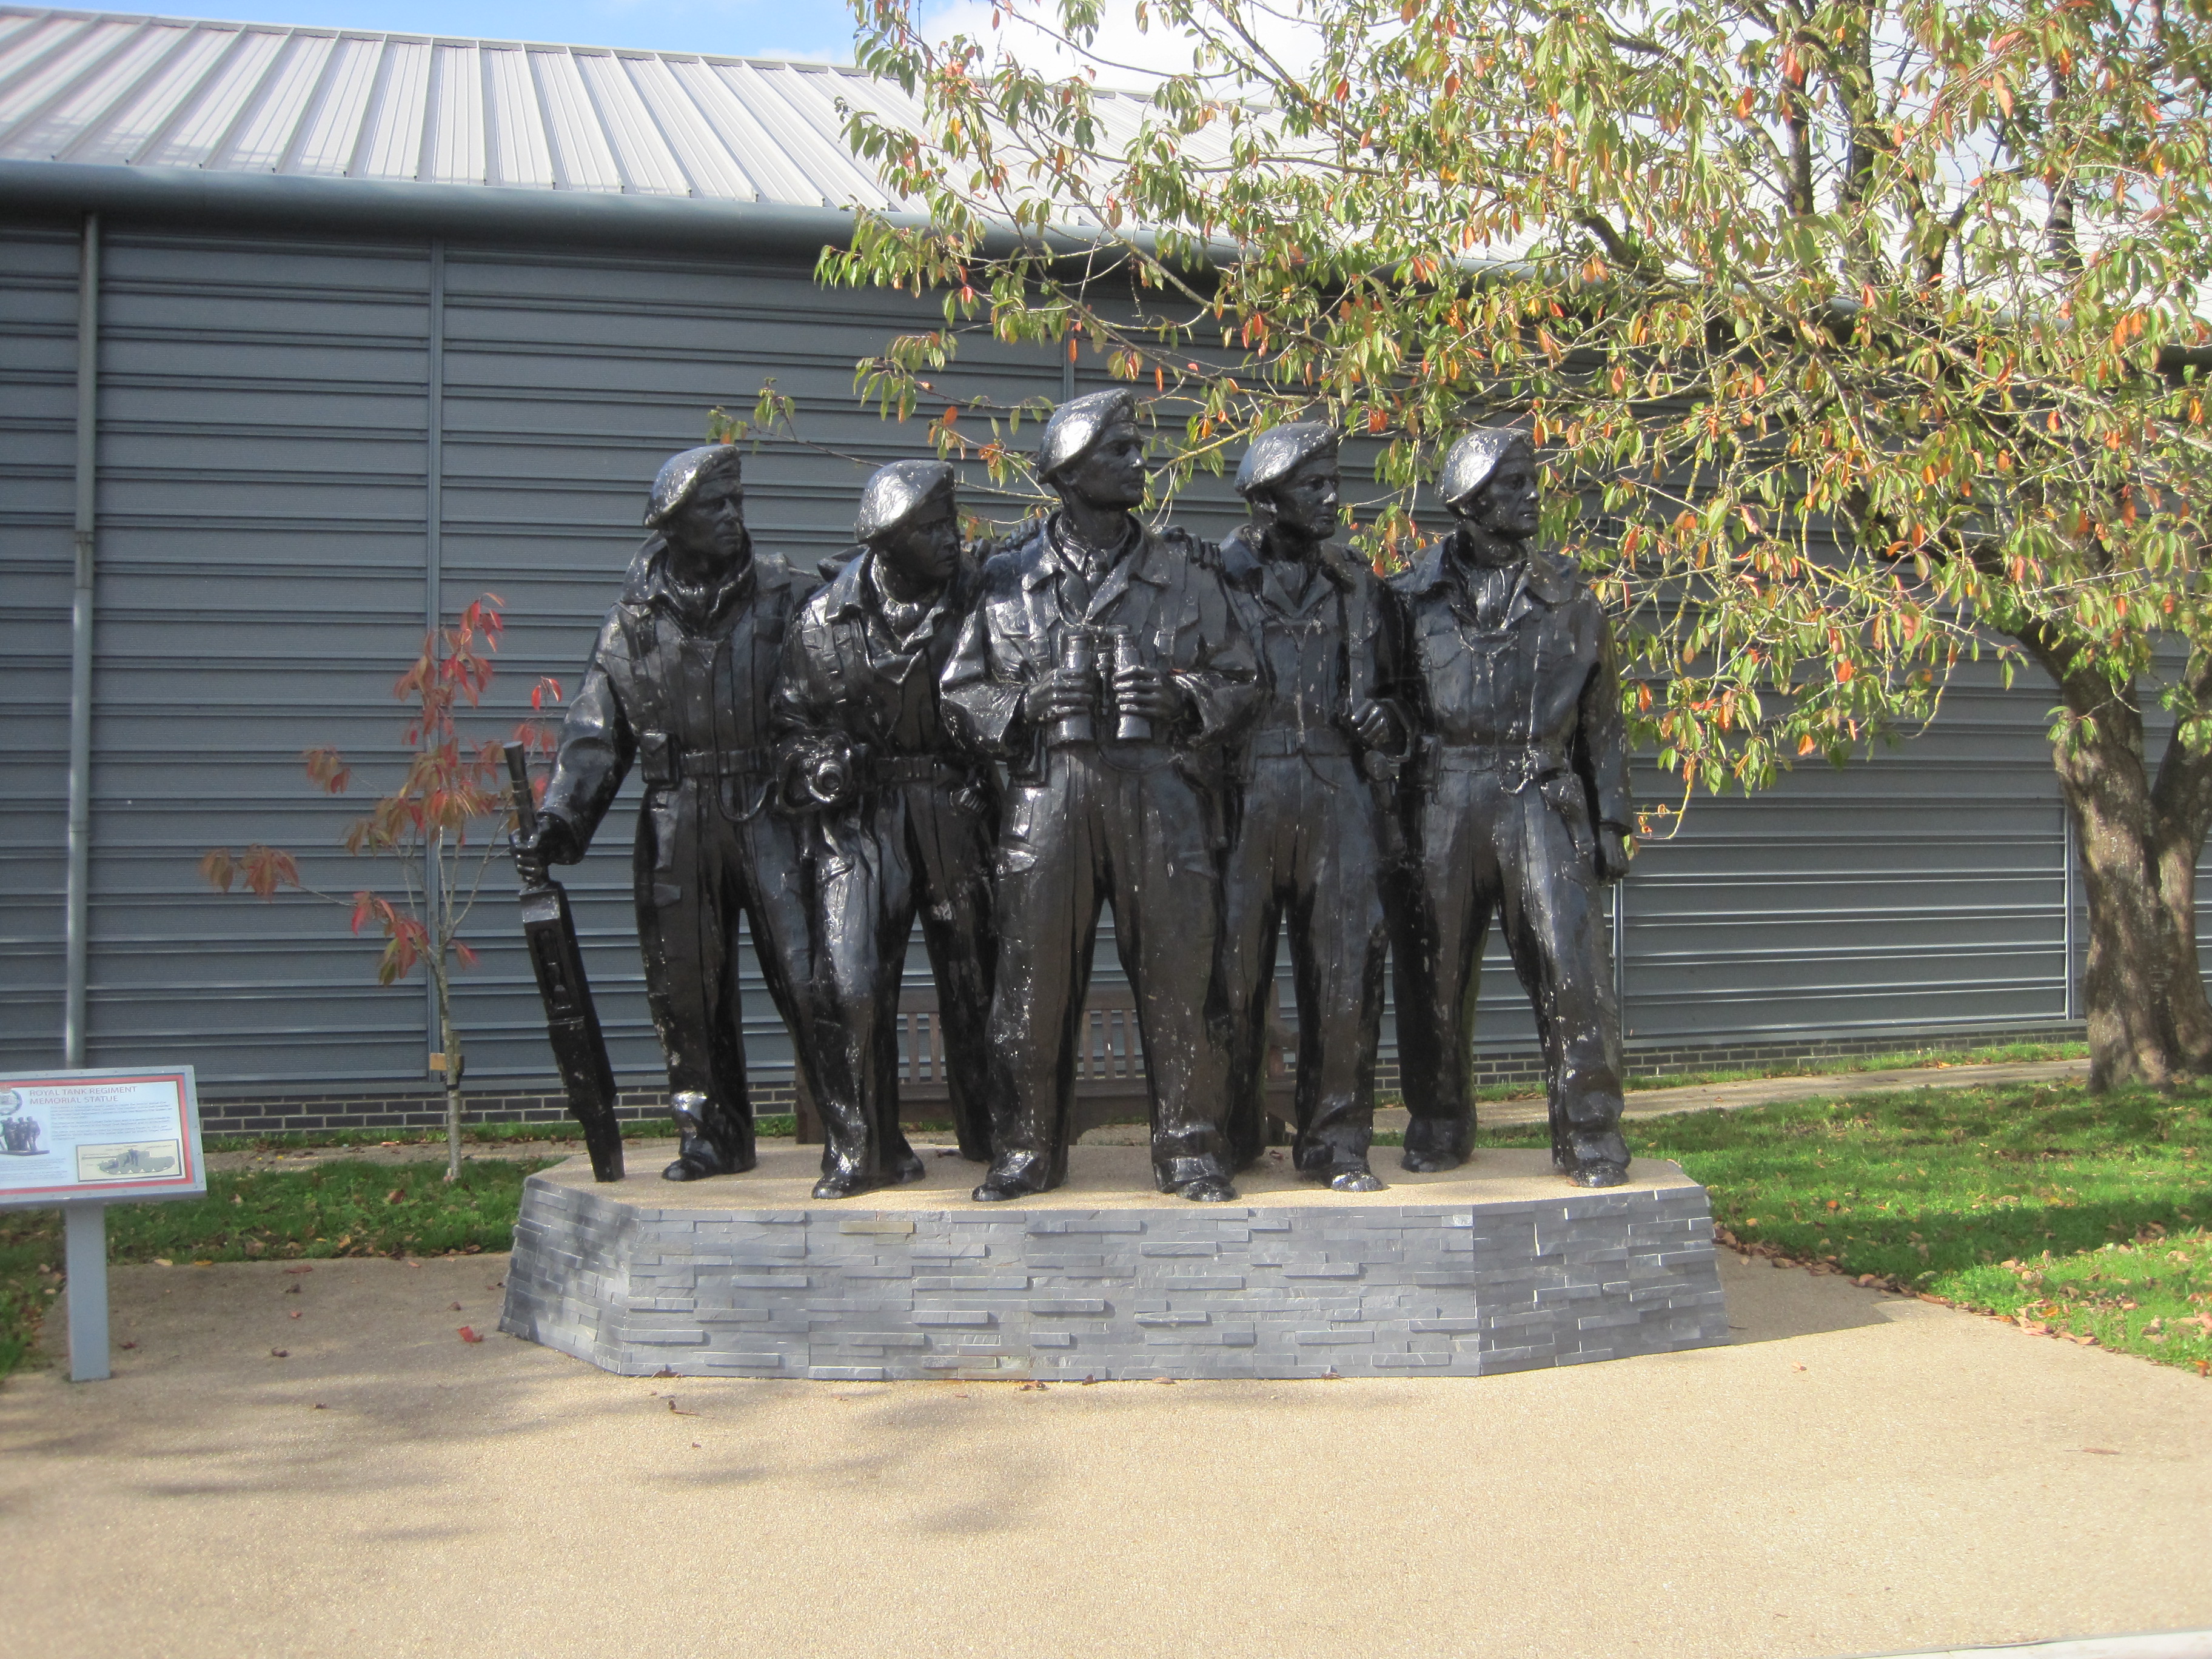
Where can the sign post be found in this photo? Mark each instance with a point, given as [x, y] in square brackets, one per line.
[85, 1262]
[85, 1139]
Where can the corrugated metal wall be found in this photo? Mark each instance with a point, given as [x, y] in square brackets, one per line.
[267, 553]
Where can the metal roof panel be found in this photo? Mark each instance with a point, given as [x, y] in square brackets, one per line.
[515, 148]
[114, 89]
[205, 119]
[707, 161]
[43, 128]
[582, 156]
[51, 61]
[323, 145]
[391, 139]
[454, 137]
[263, 135]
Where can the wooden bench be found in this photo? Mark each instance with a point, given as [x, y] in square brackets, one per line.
[1110, 1082]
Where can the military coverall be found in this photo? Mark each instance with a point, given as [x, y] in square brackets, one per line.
[915, 835]
[1307, 845]
[1523, 755]
[1137, 822]
[680, 681]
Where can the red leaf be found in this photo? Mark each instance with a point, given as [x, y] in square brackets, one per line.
[218, 869]
[468, 1334]
[468, 957]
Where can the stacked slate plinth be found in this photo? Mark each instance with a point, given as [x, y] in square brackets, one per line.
[1499, 1265]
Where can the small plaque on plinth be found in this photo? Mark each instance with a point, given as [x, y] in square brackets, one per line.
[1497, 1266]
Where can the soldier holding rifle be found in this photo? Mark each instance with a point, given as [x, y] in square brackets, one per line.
[679, 682]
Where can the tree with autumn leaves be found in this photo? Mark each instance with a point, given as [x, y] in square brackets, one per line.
[1862, 338]
[427, 829]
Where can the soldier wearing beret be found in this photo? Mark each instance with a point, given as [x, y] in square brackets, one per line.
[1307, 845]
[902, 823]
[1518, 806]
[1104, 668]
[679, 682]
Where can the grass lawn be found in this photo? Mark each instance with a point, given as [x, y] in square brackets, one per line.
[334, 1209]
[2079, 1216]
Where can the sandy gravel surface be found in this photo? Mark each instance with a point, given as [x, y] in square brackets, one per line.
[1860, 1473]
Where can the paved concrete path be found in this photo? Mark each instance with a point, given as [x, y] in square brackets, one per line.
[1860, 1473]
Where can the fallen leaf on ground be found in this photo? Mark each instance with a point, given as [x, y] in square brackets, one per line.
[468, 1334]
[319, 1405]
[395, 1195]
[163, 1261]
[678, 1410]
[280, 1353]
[126, 1345]
[2100, 1451]
[455, 1306]
[295, 1313]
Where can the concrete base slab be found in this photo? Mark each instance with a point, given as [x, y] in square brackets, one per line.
[1498, 1265]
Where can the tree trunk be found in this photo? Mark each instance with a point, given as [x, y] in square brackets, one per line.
[2147, 1016]
[452, 1039]
[2181, 804]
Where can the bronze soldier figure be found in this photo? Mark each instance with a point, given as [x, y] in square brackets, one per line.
[1307, 845]
[1105, 667]
[1518, 805]
[680, 681]
[903, 823]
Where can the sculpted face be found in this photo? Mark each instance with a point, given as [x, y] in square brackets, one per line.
[710, 526]
[1305, 503]
[1506, 506]
[923, 552]
[1111, 474]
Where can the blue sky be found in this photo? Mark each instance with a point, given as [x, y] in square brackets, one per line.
[818, 30]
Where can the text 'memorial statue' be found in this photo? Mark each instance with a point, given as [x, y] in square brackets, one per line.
[1104, 669]
[1517, 805]
[903, 823]
[680, 682]
[1309, 826]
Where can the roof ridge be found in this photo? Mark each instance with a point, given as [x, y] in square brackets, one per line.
[327, 31]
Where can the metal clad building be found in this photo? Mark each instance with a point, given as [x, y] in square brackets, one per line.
[385, 323]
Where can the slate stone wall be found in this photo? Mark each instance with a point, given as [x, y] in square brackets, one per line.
[1202, 1291]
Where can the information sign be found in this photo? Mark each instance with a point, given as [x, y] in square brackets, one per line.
[106, 1136]
[84, 1140]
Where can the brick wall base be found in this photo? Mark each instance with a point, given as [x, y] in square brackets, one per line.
[425, 1109]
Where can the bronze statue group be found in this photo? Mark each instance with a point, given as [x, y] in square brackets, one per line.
[1225, 742]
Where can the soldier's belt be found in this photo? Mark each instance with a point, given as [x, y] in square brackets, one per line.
[1517, 766]
[658, 763]
[1315, 740]
[882, 771]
